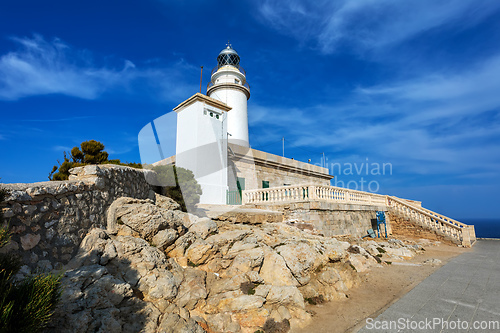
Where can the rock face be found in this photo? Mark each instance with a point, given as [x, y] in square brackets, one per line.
[162, 270]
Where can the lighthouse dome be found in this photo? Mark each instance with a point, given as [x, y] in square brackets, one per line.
[228, 56]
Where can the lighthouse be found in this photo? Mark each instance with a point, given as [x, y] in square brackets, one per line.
[212, 141]
[228, 84]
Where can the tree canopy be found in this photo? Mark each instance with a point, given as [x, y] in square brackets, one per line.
[89, 152]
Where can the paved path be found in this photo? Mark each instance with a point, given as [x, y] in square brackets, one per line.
[466, 289]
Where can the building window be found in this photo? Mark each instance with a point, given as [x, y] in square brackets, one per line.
[217, 116]
[236, 81]
[265, 184]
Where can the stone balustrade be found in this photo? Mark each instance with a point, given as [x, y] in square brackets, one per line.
[311, 193]
[463, 233]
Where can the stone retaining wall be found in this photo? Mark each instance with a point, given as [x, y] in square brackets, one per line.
[48, 220]
[330, 218]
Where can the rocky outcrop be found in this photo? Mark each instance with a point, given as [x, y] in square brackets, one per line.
[161, 270]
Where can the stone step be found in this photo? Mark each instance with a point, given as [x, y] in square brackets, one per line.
[239, 214]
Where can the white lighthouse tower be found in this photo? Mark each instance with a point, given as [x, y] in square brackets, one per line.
[228, 85]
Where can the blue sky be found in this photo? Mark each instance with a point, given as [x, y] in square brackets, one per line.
[412, 84]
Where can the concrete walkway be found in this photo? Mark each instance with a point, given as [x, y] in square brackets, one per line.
[463, 293]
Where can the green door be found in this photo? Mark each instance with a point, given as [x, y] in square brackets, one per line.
[234, 197]
[265, 184]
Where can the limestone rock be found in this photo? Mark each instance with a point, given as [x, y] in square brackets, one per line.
[241, 303]
[226, 238]
[402, 252]
[289, 296]
[173, 323]
[362, 263]
[181, 244]
[254, 277]
[166, 202]
[145, 218]
[252, 318]
[29, 241]
[221, 285]
[165, 238]
[275, 272]
[432, 262]
[239, 247]
[245, 261]
[203, 227]
[300, 259]
[199, 252]
[192, 288]
[159, 284]
[221, 322]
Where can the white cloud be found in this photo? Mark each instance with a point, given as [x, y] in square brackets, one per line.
[369, 24]
[40, 67]
[451, 96]
[446, 124]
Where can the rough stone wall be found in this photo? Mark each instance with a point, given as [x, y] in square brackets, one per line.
[331, 218]
[48, 220]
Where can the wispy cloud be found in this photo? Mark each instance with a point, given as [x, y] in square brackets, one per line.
[41, 67]
[446, 124]
[369, 24]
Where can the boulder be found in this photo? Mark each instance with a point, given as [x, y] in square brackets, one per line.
[192, 289]
[300, 259]
[204, 227]
[238, 247]
[166, 202]
[241, 303]
[145, 218]
[403, 253]
[288, 296]
[275, 272]
[165, 238]
[245, 261]
[173, 323]
[199, 252]
[252, 318]
[181, 244]
[159, 284]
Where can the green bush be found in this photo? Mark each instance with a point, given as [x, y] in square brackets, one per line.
[178, 184]
[91, 152]
[27, 305]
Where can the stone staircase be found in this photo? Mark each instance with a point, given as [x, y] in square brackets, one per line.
[458, 232]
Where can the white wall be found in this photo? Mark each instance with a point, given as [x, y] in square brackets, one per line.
[225, 78]
[201, 147]
[237, 118]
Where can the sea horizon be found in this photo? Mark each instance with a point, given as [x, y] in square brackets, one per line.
[485, 228]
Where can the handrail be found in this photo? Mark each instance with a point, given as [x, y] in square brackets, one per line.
[311, 192]
[441, 224]
[437, 222]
